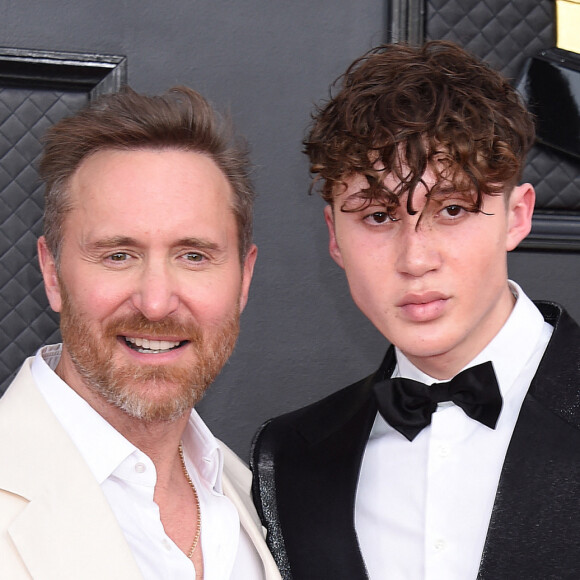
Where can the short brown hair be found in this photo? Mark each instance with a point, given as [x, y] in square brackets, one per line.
[179, 119]
[400, 108]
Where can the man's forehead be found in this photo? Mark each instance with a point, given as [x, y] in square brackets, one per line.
[178, 183]
[393, 192]
[110, 161]
[431, 182]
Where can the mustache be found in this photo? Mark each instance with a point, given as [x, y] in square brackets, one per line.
[137, 324]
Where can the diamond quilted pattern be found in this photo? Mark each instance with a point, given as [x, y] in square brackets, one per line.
[557, 180]
[26, 321]
[505, 34]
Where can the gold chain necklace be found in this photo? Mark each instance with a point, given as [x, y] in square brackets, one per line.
[197, 508]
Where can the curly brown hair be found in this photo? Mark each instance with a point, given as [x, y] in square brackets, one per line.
[401, 110]
[178, 119]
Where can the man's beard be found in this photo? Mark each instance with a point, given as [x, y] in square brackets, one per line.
[146, 392]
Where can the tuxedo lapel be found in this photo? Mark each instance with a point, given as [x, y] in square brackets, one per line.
[62, 526]
[535, 523]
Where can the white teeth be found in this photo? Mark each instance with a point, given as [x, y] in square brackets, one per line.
[154, 346]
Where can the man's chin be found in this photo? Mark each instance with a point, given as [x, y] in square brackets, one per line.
[152, 396]
[152, 409]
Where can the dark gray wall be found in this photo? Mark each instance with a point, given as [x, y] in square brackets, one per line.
[267, 62]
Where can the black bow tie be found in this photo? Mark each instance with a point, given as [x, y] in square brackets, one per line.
[407, 405]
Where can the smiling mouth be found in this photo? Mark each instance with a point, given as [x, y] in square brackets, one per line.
[147, 346]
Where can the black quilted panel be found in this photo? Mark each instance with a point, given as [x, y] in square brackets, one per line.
[505, 33]
[556, 179]
[26, 321]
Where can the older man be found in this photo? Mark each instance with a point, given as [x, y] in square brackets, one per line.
[107, 471]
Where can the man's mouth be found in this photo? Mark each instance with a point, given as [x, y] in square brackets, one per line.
[423, 307]
[148, 346]
[419, 299]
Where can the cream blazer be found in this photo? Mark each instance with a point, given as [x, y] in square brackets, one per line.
[55, 522]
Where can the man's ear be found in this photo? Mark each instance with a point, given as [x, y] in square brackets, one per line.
[520, 210]
[333, 247]
[49, 274]
[247, 273]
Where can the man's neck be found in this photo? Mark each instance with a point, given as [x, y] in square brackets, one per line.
[442, 367]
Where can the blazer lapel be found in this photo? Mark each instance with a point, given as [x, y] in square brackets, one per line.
[535, 523]
[236, 483]
[64, 527]
[72, 535]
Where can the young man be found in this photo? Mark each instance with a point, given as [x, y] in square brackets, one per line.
[107, 471]
[453, 474]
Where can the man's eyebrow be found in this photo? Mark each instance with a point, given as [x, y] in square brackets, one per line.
[357, 195]
[112, 242]
[197, 243]
[127, 241]
[357, 199]
[360, 200]
[448, 190]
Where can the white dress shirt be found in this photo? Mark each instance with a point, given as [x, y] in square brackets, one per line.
[423, 507]
[127, 477]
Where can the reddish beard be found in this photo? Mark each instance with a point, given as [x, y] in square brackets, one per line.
[146, 392]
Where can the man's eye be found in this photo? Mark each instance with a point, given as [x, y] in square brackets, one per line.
[454, 210]
[380, 217]
[119, 257]
[194, 257]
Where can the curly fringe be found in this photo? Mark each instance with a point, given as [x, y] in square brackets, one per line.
[400, 110]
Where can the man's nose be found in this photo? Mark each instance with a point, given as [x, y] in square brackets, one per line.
[156, 294]
[418, 252]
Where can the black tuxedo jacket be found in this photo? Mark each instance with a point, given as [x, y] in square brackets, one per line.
[306, 467]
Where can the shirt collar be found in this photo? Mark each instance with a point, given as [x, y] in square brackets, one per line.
[203, 450]
[103, 448]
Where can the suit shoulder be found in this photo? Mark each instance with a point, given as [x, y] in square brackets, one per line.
[331, 404]
[289, 432]
[557, 381]
[315, 422]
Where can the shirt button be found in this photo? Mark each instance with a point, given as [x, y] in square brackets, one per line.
[140, 467]
[444, 451]
[440, 545]
[166, 544]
